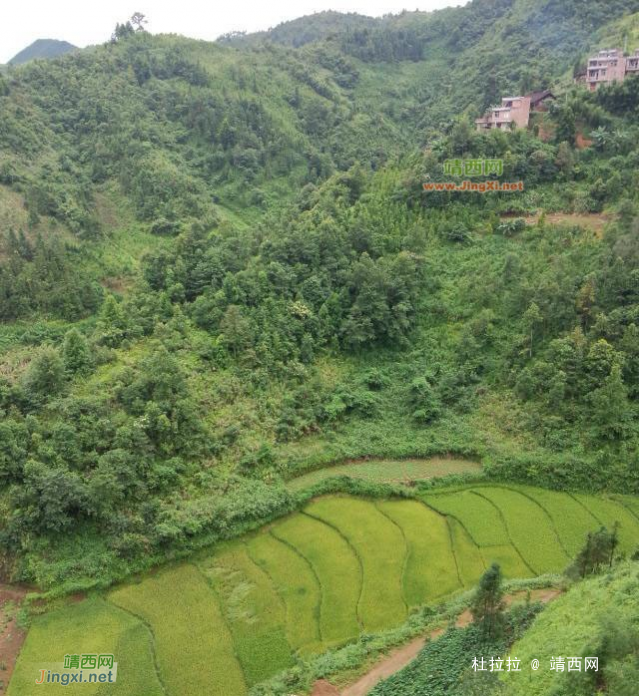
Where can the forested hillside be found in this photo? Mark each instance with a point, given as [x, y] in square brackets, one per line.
[218, 268]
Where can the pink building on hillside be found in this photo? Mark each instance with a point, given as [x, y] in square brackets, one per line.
[514, 112]
[632, 63]
[607, 66]
[610, 65]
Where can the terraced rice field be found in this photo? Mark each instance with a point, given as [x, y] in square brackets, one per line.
[230, 619]
[388, 471]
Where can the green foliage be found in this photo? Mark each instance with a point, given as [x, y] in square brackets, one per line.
[607, 629]
[41, 279]
[487, 606]
[282, 294]
[14, 437]
[439, 666]
[511, 227]
[566, 128]
[45, 376]
[612, 413]
[425, 400]
[76, 353]
[112, 324]
[597, 553]
[444, 665]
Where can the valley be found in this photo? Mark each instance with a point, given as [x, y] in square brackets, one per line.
[272, 414]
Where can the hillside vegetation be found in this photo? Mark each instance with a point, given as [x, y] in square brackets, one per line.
[607, 629]
[218, 270]
[238, 338]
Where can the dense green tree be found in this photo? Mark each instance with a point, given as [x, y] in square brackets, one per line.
[564, 161]
[236, 329]
[487, 606]
[289, 227]
[597, 553]
[532, 319]
[611, 410]
[45, 376]
[425, 400]
[14, 447]
[585, 302]
[122, 31]
[76, 353]
[566, 129]
[112, 324]
[600, 138]
[51, 497]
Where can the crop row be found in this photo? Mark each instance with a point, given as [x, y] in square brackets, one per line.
[532, 531]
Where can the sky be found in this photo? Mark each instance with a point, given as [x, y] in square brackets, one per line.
[86, 22]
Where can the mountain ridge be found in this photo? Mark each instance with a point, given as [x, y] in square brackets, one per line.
[42, 49]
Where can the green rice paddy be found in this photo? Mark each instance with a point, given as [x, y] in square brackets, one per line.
[388, 471]
[232, 618]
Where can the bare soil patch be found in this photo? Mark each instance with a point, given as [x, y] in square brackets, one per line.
[324, 688]
[119, 284]
[582, 142]
[590, 221]
[11, 635]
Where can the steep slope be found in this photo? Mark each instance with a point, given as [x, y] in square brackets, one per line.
[597, 618]
[219, 267]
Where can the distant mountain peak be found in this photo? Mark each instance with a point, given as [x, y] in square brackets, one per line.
[42, 48]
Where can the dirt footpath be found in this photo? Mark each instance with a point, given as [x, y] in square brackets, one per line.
[400, 658]
[382, 670]
[11, 637]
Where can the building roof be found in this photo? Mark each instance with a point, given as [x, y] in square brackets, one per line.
[536, 97]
